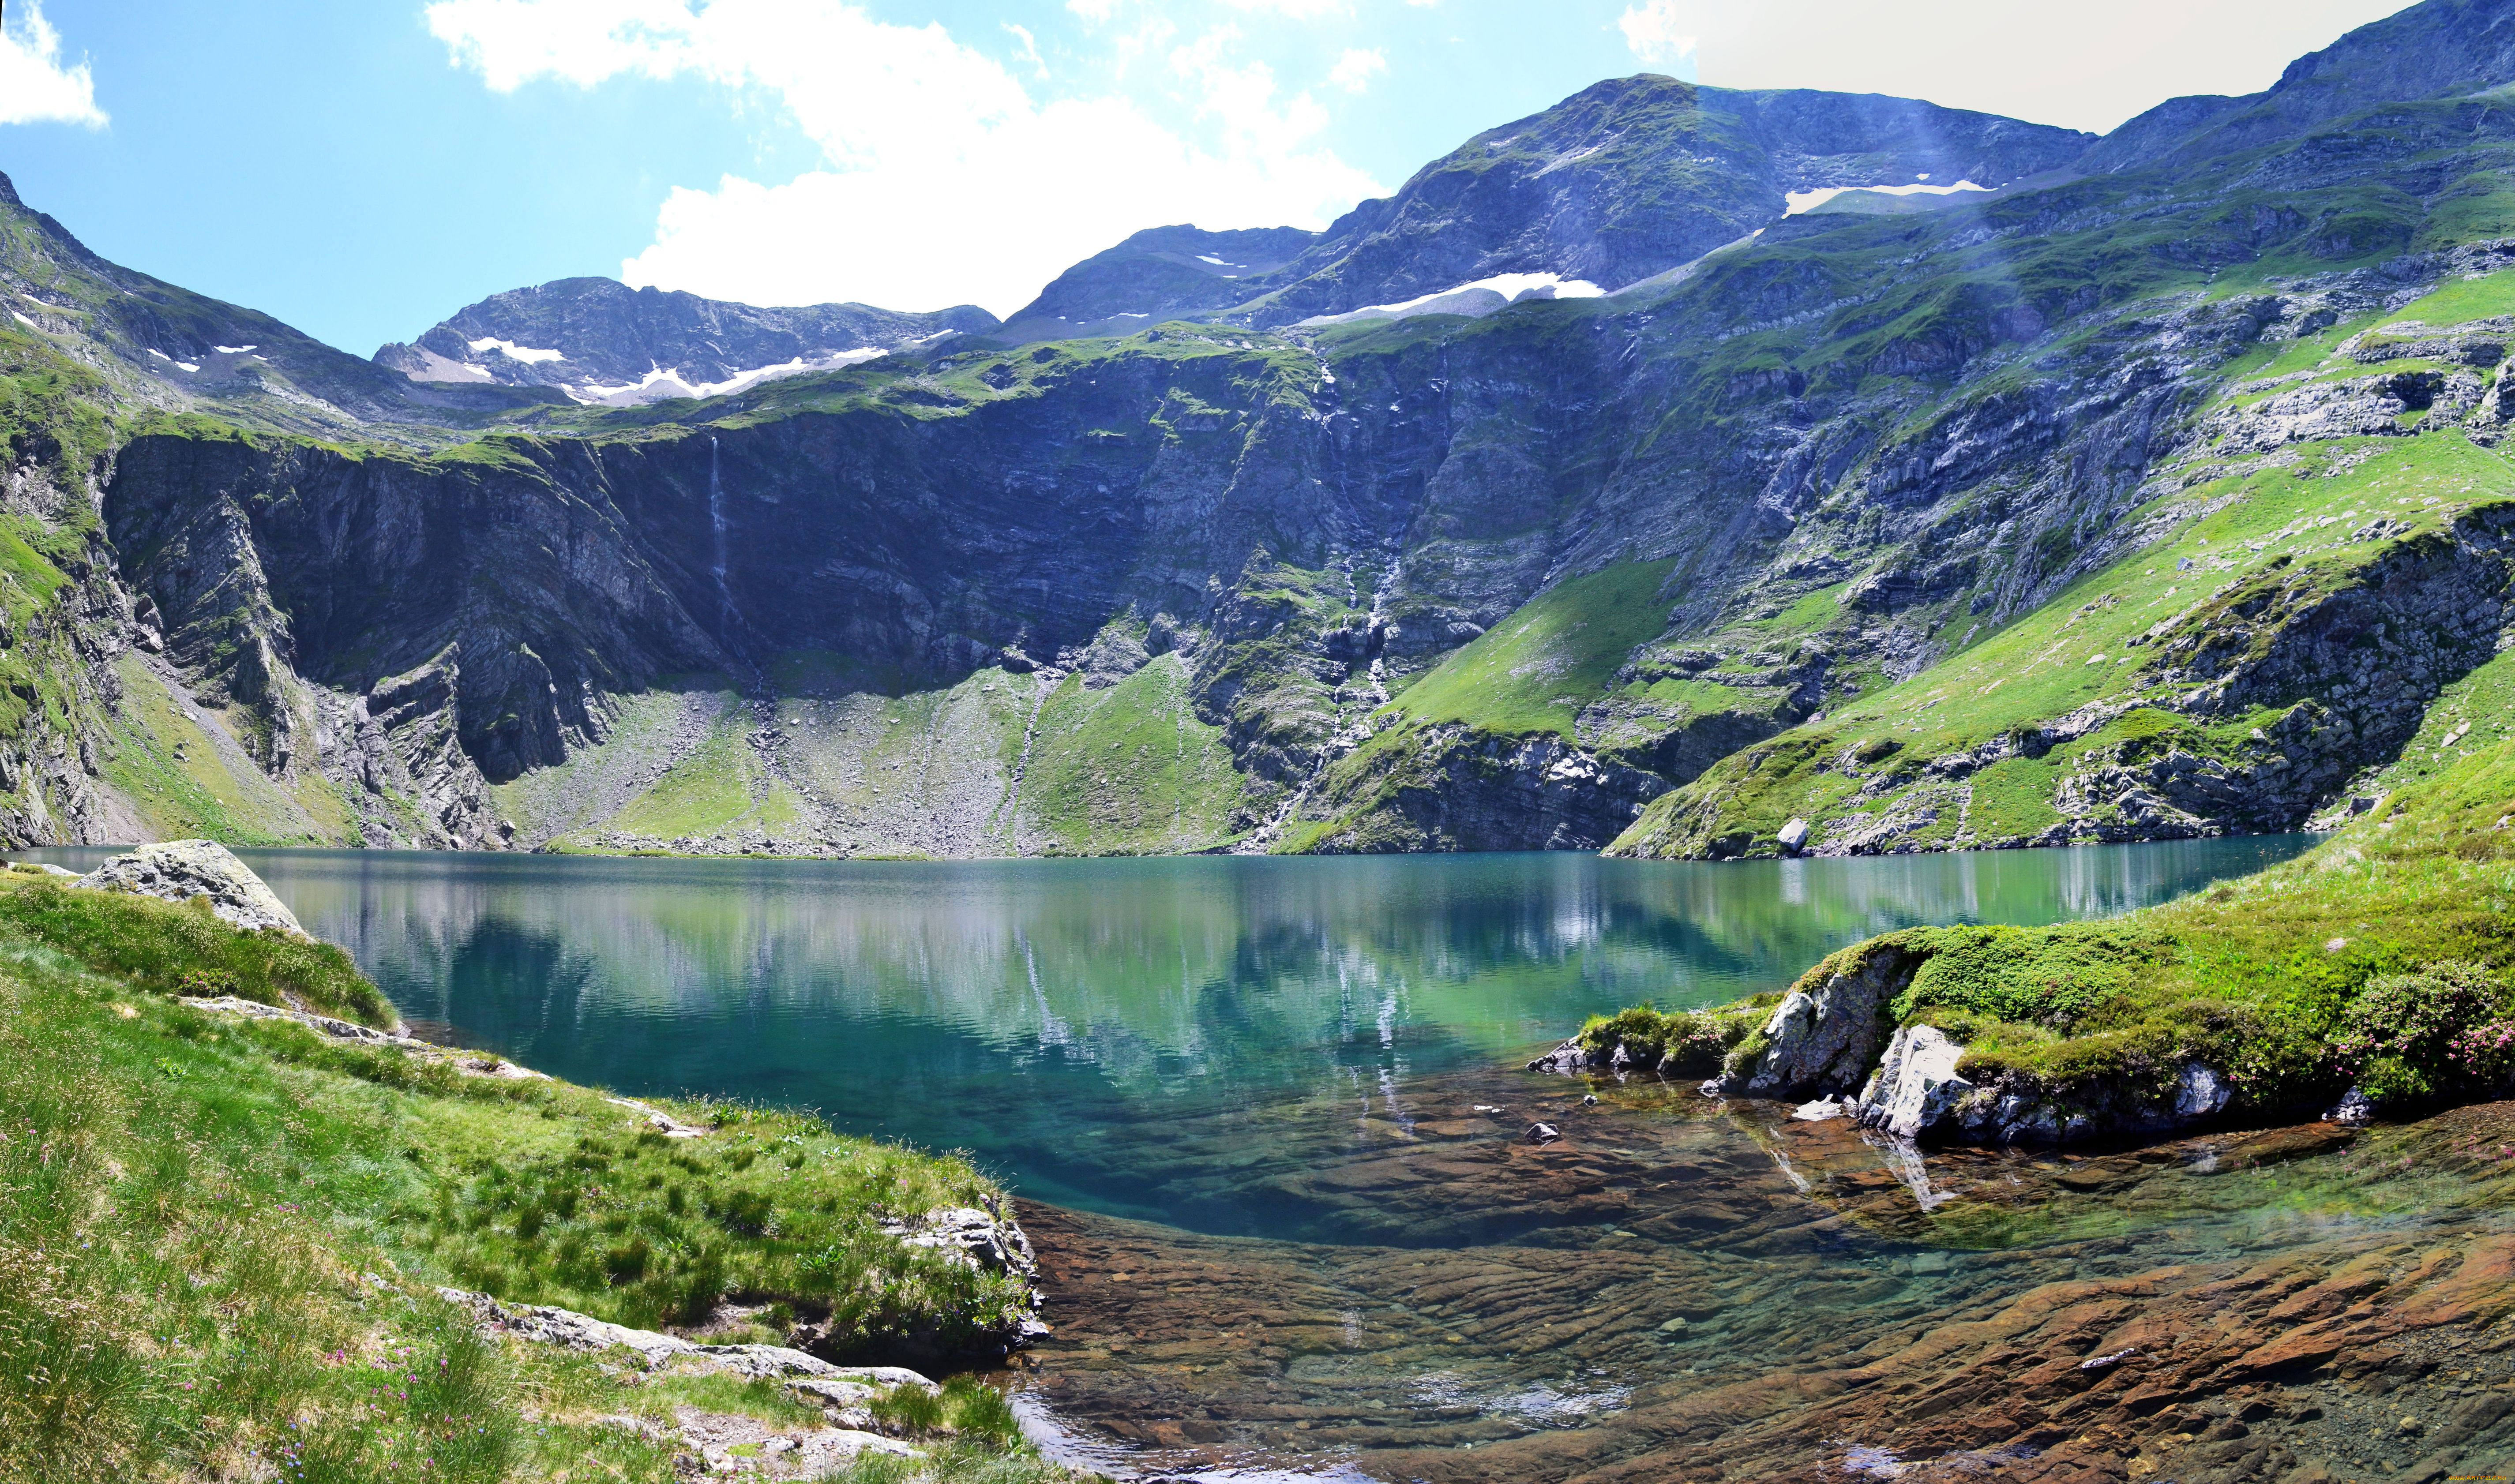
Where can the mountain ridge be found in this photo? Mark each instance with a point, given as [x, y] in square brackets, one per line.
[1506, 580]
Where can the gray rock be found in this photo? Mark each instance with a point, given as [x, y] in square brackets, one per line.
[1793, 835]
[1916, 1085]
[1821, 1038]
[179, 870]
[1542, 1134]
[2354, 1107]
[1570, 1058]
[2200, 1092]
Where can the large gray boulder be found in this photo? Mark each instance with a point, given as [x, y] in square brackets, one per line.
[179, 870]
[1827, 1031]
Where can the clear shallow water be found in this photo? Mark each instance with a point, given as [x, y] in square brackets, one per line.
[1064, 1019]
[1295, 1232]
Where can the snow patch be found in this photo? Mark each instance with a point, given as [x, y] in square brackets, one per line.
[1219, 263]
[661, 382]
[24, 320]
[160, 354]
[1809, 200]
[513, 351]
[236, 350]
[1480, 297]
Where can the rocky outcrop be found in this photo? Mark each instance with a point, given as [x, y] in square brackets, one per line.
[985, 1241]
[1915, 1085]
[181, 870]
[1455, 788]
[1827, 1032]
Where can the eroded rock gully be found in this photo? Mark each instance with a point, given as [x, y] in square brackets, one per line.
[1700, 1293]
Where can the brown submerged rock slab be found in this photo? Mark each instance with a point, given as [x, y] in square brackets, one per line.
[1720, 1298]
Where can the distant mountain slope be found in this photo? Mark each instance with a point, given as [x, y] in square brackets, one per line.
[1622, 181]
[165, 346]
[2442, 48]
[1158, 274]
[600, 341]
[1894, 522]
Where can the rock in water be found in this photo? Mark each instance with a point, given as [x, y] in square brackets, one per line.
[179, 870]
[1916, 1084]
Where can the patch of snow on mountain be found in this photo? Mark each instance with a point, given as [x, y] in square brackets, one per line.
[1480, 297]
[1809, 200]
[661, 383]
[236, 350]
[24, 320]
[160, 354]
[1217, 261]
[512, 352]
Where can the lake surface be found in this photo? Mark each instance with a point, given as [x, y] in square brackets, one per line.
[1060, 1019]
[1266, 1120]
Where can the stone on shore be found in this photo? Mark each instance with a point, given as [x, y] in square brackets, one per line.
[1916, 1085]
[179, 870]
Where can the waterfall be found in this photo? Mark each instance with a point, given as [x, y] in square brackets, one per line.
[716, 518]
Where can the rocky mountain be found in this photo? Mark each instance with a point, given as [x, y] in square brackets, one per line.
[1623, 181]
[2129, 500]
[598, 340]
[1159, 273]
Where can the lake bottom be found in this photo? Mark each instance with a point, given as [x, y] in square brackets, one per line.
[1687, 1288]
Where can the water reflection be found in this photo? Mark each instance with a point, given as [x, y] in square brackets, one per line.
[1059, 1017]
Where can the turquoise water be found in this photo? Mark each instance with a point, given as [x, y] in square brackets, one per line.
[1064, 1019]
[1267, 1117]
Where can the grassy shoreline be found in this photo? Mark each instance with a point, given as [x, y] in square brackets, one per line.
[220, 1238]
[2377, 960]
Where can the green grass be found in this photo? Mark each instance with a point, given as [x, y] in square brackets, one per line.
[718, 785]
[1534, 670]
[1129, 770]
[2380, 958]
[169, 948]
[219, 1238]
[2279, 541]
[2461, 302]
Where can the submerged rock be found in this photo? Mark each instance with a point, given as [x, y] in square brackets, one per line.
[179, 870]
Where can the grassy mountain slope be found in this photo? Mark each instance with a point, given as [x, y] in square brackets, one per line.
[2283, 610]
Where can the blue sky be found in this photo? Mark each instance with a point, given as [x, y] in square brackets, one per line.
[362, 168]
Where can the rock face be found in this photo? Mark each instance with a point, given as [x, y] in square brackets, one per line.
[1916, 1085]
[180, 870]
[1827, 1032]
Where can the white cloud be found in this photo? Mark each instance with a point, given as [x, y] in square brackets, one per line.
[1654, 30]
[34, 86]
[944, 182]
[1355, 69]
[1295, 10]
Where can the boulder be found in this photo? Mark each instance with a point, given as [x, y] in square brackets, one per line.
[2200, 1092]
[1916, 1084]
[1571, 1058]
[1828, 1029]
[1793, 835]
[179, 870]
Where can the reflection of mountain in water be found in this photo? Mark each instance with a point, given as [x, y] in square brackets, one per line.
[1184, 967]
